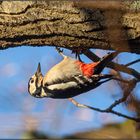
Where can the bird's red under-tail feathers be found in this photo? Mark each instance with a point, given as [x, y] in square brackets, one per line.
[96, 67]
[87, 69]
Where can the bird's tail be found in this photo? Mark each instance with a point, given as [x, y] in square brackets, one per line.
[104, 61]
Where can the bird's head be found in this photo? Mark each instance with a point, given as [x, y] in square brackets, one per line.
[35, 83]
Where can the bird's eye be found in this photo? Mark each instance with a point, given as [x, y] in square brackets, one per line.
[32, 81]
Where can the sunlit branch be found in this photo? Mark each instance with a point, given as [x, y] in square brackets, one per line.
[103, 5]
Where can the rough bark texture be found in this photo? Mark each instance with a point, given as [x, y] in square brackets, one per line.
[68, 24]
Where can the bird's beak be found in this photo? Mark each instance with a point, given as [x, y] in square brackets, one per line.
[38, 69]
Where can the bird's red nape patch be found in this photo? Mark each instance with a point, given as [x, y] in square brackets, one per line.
[87, 69]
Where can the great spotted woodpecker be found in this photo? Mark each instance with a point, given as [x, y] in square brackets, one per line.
[69, 78]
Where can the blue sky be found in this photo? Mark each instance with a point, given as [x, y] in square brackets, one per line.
[55, 117]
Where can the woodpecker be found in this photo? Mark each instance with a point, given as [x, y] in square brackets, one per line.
[69, 78]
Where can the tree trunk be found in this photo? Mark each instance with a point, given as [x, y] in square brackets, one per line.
[70, 24]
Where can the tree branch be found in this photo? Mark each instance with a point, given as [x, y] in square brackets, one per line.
[131, 85]
[113, 65]
[110, 5]
[133, 62]
[104, 110]
[64, 24]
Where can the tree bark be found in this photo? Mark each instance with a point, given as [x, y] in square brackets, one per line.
[70, 24]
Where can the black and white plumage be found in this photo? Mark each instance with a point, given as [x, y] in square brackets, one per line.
[69, 78]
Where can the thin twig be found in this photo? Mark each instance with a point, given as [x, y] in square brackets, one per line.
[120, 79]
[125, 116]
[114, 112]
[104, 110]
[131, 85]
[113, 65]
[131, 63]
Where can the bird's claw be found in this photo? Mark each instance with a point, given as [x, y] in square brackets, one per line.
[59, 50]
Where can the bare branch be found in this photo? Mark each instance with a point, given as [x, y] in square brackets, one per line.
[131, 85]
[113, 65]
[104, 110]
[133, 62]
[120, 80]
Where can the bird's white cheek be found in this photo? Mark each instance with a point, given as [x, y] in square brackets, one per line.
[32, 89]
